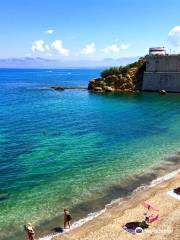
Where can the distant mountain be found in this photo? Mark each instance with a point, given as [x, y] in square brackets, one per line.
[29, 62]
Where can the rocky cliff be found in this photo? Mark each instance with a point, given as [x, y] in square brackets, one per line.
[120, 79]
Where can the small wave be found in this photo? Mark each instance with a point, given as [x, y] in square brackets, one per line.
[113, 202]
[89, 217]
[164, 178]
[141, 188]
[48, 237]
[77, 224]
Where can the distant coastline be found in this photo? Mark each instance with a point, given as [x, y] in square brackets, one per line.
[45, 63]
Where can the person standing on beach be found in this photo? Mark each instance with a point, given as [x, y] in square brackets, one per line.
[30, 231]
[67, 218]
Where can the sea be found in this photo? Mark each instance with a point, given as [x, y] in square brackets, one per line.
[76, 149]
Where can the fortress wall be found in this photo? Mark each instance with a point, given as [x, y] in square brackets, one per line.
[160, 63]
[156, 81]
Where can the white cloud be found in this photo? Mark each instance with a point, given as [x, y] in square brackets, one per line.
[57, 45]
[124, 46]
[114, 48]
[49, 31]
[174, 36]
[88, 49]
[39, 46]
[47, 47]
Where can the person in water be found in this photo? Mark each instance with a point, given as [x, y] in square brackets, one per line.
[67, 218]
[30, 231]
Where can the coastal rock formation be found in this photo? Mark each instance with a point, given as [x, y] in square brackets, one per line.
[122, 79]
[61, 88]
[57, 88]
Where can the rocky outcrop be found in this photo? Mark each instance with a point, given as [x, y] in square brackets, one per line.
[61, 88]
[122, 79]
[57, 88]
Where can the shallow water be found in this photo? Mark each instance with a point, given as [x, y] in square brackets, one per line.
[73, 148]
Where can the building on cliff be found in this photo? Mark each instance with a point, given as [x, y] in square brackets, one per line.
[162, 71]
[157, 51]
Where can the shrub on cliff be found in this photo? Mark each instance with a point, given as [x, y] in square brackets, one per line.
[111, 71]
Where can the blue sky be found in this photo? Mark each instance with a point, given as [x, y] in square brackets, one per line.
[87, 29]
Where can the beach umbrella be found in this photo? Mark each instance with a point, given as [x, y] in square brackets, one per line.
[150, 206]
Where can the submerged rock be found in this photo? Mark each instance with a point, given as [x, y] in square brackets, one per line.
[61, 88]
[3, 196]
[57, 88]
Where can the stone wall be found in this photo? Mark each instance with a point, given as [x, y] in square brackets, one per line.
[160, 63]
[156, 81]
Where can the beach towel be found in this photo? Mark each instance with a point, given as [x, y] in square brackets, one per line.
[152, 218]
[150, 206]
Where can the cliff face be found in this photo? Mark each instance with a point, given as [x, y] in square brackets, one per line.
[122, 79]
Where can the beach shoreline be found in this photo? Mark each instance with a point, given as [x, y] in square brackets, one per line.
[107, 223]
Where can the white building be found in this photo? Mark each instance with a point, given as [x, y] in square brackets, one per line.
[157, 51]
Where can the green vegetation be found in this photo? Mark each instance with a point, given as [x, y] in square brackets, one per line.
[128, 78]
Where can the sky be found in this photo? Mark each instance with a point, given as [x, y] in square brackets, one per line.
[87, 29]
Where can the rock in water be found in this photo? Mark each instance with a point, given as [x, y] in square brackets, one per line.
[57, 88]
[163, 92]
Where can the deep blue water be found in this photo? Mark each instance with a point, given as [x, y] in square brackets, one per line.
[69, 148]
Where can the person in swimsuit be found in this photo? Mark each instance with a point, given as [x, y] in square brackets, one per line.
[30, 231]
[67, 218]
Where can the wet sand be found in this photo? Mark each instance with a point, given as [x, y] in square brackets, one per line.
[108, 226]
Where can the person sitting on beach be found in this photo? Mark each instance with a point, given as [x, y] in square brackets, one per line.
[150, 219]
[67, 218]
[146, 218]
[30, 231]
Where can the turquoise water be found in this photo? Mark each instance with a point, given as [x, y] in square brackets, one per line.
[74, 148]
